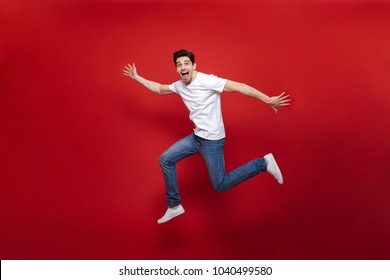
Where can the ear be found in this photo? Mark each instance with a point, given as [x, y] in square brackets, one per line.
[194, 65]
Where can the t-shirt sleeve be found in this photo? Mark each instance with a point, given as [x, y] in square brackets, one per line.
[173, 88]
[215, 83]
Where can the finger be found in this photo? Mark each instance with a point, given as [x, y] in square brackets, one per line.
[285, 101]
[283, 96]
[283, 93]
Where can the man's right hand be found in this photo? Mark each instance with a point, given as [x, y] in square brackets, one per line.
[130, 71]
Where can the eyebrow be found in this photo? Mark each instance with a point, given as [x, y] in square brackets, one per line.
[187, 60]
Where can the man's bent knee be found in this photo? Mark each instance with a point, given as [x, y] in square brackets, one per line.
[163, 160]
[219, 187]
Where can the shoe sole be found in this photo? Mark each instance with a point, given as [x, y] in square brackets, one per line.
[170, 218]
[271, 158]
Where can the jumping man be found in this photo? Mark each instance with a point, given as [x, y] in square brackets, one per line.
[201, 93]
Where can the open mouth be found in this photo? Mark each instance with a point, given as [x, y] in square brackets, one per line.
[184, 74]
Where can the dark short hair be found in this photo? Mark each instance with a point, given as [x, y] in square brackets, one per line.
[182, 53]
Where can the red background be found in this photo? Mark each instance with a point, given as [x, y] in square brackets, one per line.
[80, 142]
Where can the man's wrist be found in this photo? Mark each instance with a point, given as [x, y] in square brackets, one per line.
[266, 100]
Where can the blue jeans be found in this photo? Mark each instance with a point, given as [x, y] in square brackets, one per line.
[212, 153]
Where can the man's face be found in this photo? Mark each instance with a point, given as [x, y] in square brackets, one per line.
[186, 69]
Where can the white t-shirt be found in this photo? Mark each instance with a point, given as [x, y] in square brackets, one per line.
[203, 99]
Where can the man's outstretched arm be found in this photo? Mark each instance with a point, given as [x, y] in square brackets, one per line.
[273, 101]
[131, 71]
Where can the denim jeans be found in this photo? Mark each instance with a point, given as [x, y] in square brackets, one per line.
[212, 153]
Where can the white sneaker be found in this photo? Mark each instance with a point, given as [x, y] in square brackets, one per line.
[273, 168]
[170, 214]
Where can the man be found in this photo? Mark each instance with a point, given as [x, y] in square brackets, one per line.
[201, 94]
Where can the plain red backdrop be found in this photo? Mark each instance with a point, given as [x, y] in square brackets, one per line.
[80, 142]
